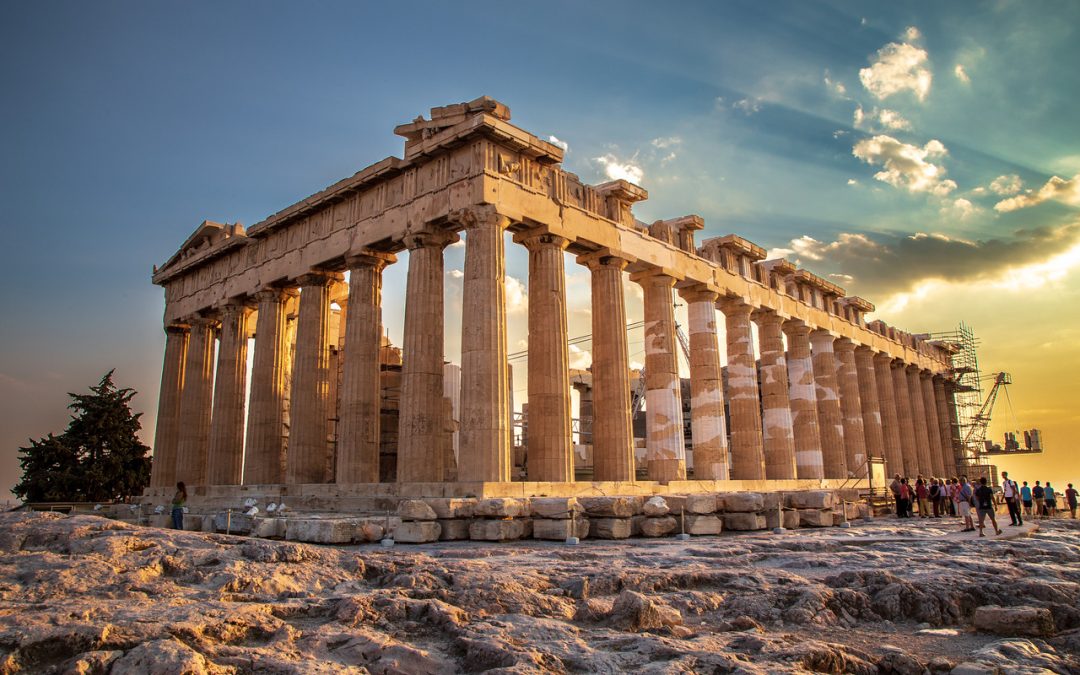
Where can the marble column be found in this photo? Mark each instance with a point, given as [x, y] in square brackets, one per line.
[484, 445]
[665, 443]
[847, 376]
[707, 427]
[195, 403]
[809, 462]
[550, 452]
[933, 427]
[226, 455]
[870, 402]
[420, 424]
[612, 432]
[908, 444]
[361, 395]
[777, 421]
[830, 418]
[166, 433]
[309, 428]
[941, 401]
[918, 417]
[891, 433]
[744, 406]
[264, 460]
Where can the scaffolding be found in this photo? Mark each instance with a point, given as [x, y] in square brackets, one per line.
[968, 396]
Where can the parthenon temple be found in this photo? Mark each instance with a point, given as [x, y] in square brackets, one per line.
[815, 396]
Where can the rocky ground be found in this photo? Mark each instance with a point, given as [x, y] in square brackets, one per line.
[84, 594]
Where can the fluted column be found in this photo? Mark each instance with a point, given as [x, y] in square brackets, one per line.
[918, 416]
[890, 416]
[264, 458]
[809, 462]
[847, 376]
[933, 427]
[420, 423]
[309, 428]
[707, 427]
[360, 398]
[870, 402]
[830, 419]
[744, 406]
[908, 444]
[612, 432]
[226, 456]
[777, 421]
[550, 452]
[941, 401]
[665, 444]
[195, 403]
[484, 447]
[166, 433]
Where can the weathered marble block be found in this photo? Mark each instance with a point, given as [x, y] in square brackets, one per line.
[741, 502]
[655, 506]
[703, 524]
[701, 503]
[816, 518]
[320, 530]
[610, 528]
[560, 529]
[417, 532]
[611, 507]
[452, 507]
[415, 509]
[816, 499]
[554, 507]
[744, 521]
[454, 529]
[496, 530]
[659, 527]
[500, 507]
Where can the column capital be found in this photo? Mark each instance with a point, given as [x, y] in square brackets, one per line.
[843, 345]
[605, 258]
[796, 327]
[235, 305]
[699, 293]
[369, 258]
[883, 357]
[913, 368]
[275, 293]
[768, 317]
[481, 215]
[318, 278]
[201, 320]
[864, 349]
[430, 237]
[820, 336]
[177, 329]
[540, 238]
[734, 306]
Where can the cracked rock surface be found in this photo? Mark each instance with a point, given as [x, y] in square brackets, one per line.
[84, 594]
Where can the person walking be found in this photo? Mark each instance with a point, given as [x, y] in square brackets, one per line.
[1049, 500]
[894, 487]
[1070, 499]
[963, 499]
[984, 504]
[1025, 496]
[1011, 492]
[1037, 495]
[178, 501]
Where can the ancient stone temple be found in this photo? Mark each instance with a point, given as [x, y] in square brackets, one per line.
[813, 396]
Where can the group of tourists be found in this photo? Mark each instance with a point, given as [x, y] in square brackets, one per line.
[938, 497]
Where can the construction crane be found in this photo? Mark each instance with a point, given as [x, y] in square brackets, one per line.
[980, 421]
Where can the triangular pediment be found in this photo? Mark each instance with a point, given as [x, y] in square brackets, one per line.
[206, 237]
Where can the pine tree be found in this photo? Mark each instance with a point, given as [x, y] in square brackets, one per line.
[99, 457]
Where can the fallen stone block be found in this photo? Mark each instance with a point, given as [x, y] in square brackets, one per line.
[816, 518]
[496, 530]
[610, 528]
[454, 529]
[452, 507]
[659, 527]
[369, 531]
[193, 523]
[415, 509]
[744, 521]
[741, 502]
[635, 525]
[772, 519]
[701, 503]
[655, 506]
[560, 529]
[703, 524]
[611, 507]
[500, 507]
[1014, 621]
[320, 530]
[268, 528]
[233, 523]
[676, 504]
[816, 499]
[554, 507]
[417, 532]
[770, 500]
[164, 522]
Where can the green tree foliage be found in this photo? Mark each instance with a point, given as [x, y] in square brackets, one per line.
[99, 457]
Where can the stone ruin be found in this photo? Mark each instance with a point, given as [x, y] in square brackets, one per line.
[340, 421]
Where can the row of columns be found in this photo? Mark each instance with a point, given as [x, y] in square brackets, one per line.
[816, 409]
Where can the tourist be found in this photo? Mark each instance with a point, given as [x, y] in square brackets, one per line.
[923, 495]
[935, 496]
[894, 487]
[963, 499]
[903, 500]
[954, 485]
[1037, 494]
[1012, 498]
[1070, 499]
[1049, 501]
[178, 501]
[984, 501]
[1025, 496]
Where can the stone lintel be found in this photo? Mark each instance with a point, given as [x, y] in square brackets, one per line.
[646, 274]
[622, 190]
[698, 292]
[366, 257]
[605, 256]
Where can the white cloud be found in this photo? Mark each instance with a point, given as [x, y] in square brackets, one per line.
[748, 106]
[562, 144]
[880, 118]
[912, 34]
[517, 296]
[835, 87]
[905, 165]
[616, 169]
[961, 209]
[665, 142]
[961, 74]
[579, 358]
[899, 67]
[456, 274]
[1059, 189]
[1006, 185]
[845, 278]
[852, 181]
[460, 243]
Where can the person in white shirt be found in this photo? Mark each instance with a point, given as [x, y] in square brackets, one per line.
[1011, 492]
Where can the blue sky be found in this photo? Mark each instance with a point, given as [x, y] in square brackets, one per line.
[125, 124]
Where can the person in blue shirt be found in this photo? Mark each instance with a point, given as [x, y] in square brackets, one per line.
[1025, 496]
